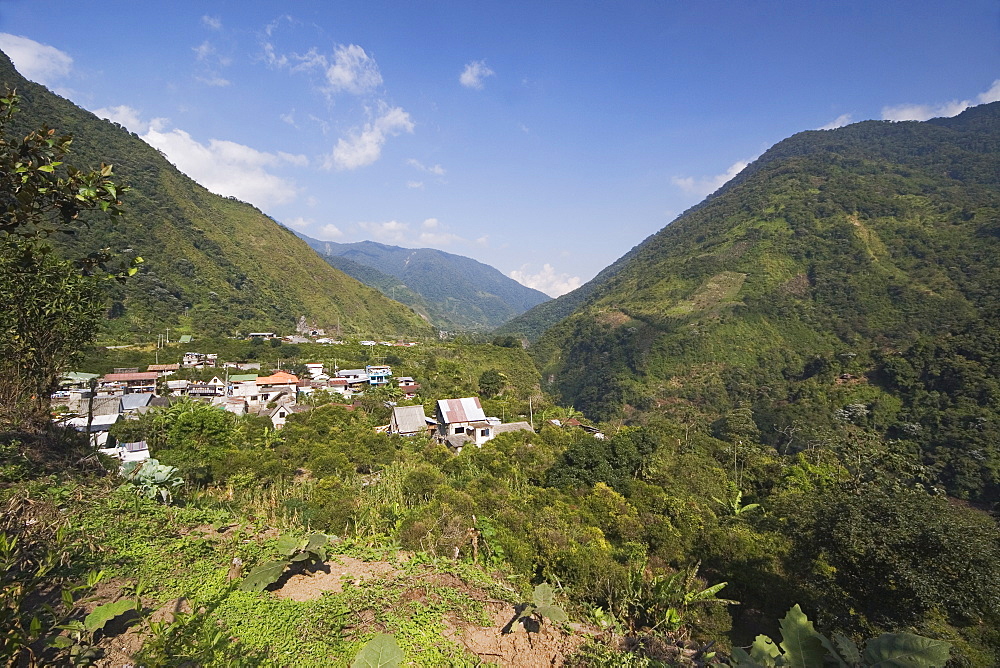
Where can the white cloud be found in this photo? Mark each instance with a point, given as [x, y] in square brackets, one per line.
[353, 71]
[838, 122]
[547, 280]
[38, 62]
[330, 232]
[226, 167]
[922, 112]
[212, 22]
[437, 170]
[365, 147]
[991, 95]
[124, 115]
[474, 73]
[431, 223]
[216, 81]
[349, 69]
[392, 231]
[706, 185]
[438, 239]
[415, 185]
[204, 50]
[299, 223]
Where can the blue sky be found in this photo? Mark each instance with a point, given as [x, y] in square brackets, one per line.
[543, 138]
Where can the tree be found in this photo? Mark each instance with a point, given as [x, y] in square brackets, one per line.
[491, 383]
[49, 307]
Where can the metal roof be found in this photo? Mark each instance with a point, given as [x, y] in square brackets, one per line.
[409, 419]
[467, 409]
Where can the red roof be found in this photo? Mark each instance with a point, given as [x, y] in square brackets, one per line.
[278, 378]
[119, 377]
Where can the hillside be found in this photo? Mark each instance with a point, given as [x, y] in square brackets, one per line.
[455, 292]
[846, 277]
[211, 264]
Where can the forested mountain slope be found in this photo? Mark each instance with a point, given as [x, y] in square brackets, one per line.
[211, 264]
[454, 291]
[848, 276]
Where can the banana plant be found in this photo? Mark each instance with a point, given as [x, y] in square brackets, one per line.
[803, 646]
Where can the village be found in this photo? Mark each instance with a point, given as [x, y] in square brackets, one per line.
[93, 403]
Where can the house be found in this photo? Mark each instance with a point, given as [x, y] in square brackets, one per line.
[316, 371]
[242, 366]
[200, 360]
[507, 427]
[234, 405]
[410, 421]
[128, 383]
[278, 382]
[409, 386]
[164, 369]
[378, 375]
[178, 387]
[97, 426]
[279, 415]
[260, 336]
[129, 452]
[461, 421]
[133, 403]
[245, 387]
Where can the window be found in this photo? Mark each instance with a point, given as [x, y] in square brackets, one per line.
[459, 430]
[484, 432]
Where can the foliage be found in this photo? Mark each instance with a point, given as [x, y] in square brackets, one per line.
[48, 306]
[218, 276]
[802, 645]
[303, 552]
[379, 652]
[454, 293]
[491, 383]
[662, 601]
[542, 607]
[151, 479]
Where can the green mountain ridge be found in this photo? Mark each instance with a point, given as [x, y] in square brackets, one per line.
[845, 270]
[454, 292]
[212, 264]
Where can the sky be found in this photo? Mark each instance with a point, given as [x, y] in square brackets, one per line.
[545, 138]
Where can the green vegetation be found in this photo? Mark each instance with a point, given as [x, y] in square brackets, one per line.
[846, 281]
[454, 293]
[802, 645]
[796, 392]
[48, 306]
[214, 265]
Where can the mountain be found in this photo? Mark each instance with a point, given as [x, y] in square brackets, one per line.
[454, 292]
[848, 277]
[212, 265]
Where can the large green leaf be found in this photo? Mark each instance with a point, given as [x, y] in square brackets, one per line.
[764, 651]
[905, 650]
[553, 612]
[543, 594]
[264, 575]
[290, 544]
[380, 652]
[799, 640]
[103, 614]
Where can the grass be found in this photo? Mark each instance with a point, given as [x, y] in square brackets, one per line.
[178, 552]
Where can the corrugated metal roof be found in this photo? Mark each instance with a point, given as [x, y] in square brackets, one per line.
[467, 409]
[141, 375]
[409, 419]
